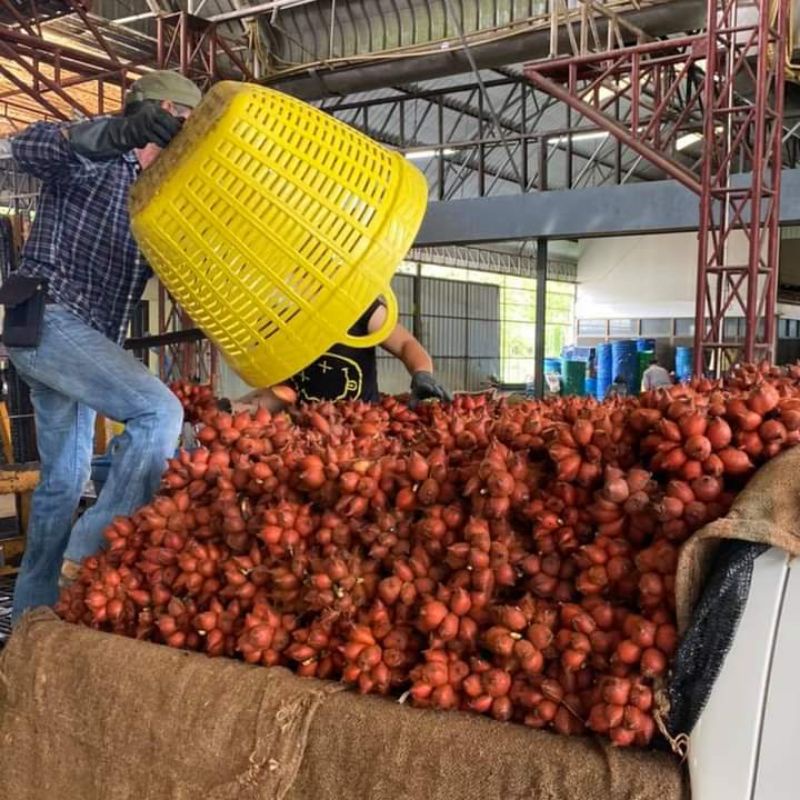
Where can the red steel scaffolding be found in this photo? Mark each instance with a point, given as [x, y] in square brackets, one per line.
[724, 88]
[194, 46]
[41, 71]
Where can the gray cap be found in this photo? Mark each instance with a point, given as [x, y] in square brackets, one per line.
[164, 85]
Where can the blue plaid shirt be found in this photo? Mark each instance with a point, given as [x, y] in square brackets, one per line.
[81, 240]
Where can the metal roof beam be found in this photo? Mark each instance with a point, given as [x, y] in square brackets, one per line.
[419, 93]
[496, 261]
[633, 209]
[461, 159]
[318, 80]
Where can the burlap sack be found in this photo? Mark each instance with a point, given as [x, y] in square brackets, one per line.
[365, 748]
[90, 716]
[767, 512]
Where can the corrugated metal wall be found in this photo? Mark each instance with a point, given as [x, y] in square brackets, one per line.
[392, 376]
[460, 329]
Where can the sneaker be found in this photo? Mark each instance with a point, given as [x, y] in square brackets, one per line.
[69, 573]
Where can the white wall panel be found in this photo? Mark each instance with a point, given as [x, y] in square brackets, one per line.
[642, 276]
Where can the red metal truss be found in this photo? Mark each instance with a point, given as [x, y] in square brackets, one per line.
[42, 71]
[661, 83]
[195, 47]
[737, 131]
[723, 86]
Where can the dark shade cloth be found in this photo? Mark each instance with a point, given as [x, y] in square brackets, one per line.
[708, 640]
[712, 583]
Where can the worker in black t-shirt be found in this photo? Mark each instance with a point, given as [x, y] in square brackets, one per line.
[351, 373]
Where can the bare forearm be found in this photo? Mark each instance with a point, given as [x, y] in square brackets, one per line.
[415, 358]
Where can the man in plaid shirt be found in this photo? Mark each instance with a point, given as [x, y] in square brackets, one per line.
[81, 247]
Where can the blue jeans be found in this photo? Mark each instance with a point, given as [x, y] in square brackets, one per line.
[74, 373]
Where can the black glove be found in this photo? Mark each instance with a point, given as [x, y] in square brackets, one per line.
[425, 387]
[103, 139]
[223, 404]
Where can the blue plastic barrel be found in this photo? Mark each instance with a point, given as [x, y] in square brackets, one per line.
[625, 362]
[552, 365]
[590, 385]
[645, 344]
[574, 353]
[604, 368]
[683, 362]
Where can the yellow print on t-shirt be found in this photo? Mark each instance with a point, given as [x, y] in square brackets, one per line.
[341, 376]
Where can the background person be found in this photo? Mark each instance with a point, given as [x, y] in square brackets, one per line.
[655, 376]
[81, 252]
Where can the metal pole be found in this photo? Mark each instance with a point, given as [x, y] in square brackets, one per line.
[775, 169]
[466, 341]
[160, 43]
[183, 32]
[543, 148]
[706, 231]
[440, 166]
[541, 306]
[754, 265]
[416, 320]
[524, 114]
[481, 150]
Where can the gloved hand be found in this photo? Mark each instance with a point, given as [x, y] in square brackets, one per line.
[425, 387]
[103, 139]
[223, 404]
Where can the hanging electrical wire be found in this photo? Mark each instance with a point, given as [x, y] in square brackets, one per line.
[492, 111]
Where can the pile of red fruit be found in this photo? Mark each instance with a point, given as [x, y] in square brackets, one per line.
[516, 560]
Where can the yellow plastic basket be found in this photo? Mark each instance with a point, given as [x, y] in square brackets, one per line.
[275, 226]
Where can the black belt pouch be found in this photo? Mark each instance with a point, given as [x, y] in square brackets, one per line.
[24, 300]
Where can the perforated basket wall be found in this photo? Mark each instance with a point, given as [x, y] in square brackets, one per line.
[275, 226]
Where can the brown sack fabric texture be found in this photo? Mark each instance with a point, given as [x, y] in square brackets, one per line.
[767, 512]
[365, 748]
[91, 716]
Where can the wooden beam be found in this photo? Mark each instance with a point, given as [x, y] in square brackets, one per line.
[5, 434]
[19, 478]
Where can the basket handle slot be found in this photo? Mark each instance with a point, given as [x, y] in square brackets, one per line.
[382, 334]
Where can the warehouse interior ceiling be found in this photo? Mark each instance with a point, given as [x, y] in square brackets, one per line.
[480, 132]
[489, 133]
[374, 43]
[440, 80]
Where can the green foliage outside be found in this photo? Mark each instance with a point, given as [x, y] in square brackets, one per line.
[517, 315]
